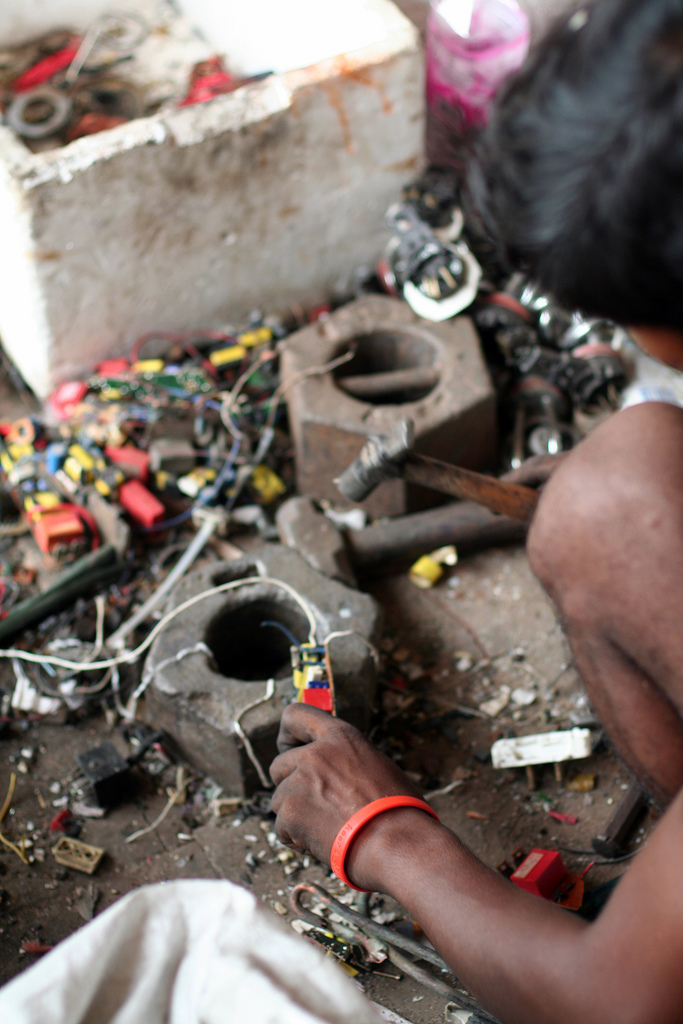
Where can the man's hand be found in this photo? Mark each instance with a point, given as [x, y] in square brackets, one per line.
[325, 772]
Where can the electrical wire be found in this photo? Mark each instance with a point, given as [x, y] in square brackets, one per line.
[312, 371]
[228, 401]
[208, 495]
[181, 783]
[199, 648]
[128, 657]
[3, 811]
[270, 690]
[351, 632]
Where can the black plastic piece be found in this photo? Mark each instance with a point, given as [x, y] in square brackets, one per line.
[108, 773]
[611, 842]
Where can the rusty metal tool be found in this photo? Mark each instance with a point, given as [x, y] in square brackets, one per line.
[384, 457]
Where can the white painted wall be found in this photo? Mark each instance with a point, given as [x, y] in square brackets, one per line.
[281, 35]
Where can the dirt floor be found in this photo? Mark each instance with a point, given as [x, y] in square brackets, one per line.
[485, 627]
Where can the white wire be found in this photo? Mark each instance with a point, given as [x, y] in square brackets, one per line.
[352, 632]
[130, 656]
[199, 648]
[181, 783]
[270, 690]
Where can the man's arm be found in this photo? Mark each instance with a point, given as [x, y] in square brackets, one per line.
[525, 959]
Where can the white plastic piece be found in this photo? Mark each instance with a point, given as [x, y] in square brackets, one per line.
[523, 697]
[541, 748]
[496, 704]
[27, 698]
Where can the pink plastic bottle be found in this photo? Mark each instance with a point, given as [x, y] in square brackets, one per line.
[472, 46]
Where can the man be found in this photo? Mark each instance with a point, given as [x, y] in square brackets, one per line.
[583, 178]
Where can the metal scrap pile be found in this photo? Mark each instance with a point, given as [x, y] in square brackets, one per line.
[63, 86]
[556, 371]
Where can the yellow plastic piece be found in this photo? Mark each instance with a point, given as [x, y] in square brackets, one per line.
[425, 572]
[148, 366]
[41, 500]
[224, 356]
[267, 484]
[259, 336]
[20, 451]
[428, 570]
[79, 453]
[5, 461]
[192, 483]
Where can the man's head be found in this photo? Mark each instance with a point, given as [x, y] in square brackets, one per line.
[581, 177]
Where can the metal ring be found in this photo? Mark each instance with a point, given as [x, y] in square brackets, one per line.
[60, 112]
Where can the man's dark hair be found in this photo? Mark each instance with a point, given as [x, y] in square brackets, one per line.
[580, 176]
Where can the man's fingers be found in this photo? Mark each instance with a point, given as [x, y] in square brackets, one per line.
[302, 724]
[283, 765]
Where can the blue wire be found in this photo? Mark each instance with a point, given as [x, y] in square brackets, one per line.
[283, 629]
[213, 491]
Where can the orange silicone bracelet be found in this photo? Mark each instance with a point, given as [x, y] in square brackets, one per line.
[346, 834]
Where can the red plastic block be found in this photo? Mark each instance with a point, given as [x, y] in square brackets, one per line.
[133, 461]
[318, 698]
[142, 507]
[55, 529]
[540, 873]
[67, 396]
[111, 367]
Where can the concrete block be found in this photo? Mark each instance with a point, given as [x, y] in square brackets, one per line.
[193, 217]
[197, 699]
[453, 408]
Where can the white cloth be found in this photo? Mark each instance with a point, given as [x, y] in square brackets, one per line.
[186, 952]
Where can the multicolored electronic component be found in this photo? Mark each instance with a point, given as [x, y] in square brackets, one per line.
[313, 676]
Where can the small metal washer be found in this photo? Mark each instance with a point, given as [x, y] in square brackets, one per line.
[61, 107]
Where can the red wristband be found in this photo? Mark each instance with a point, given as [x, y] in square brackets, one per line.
[346, 834]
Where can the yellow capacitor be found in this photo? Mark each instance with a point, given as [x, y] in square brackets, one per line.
[257, 336]
[148, 366]
[224, 356]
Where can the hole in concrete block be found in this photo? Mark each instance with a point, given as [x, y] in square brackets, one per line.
[244, 649]
[389, 368]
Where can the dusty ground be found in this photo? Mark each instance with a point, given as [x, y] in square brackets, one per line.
[490, 615]
[488, 625]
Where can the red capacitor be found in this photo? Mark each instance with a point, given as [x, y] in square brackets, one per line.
[540, 873]
[140, 504]
[133, 461]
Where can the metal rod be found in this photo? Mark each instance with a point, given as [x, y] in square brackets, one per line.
[376, 385]
[467, 525]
